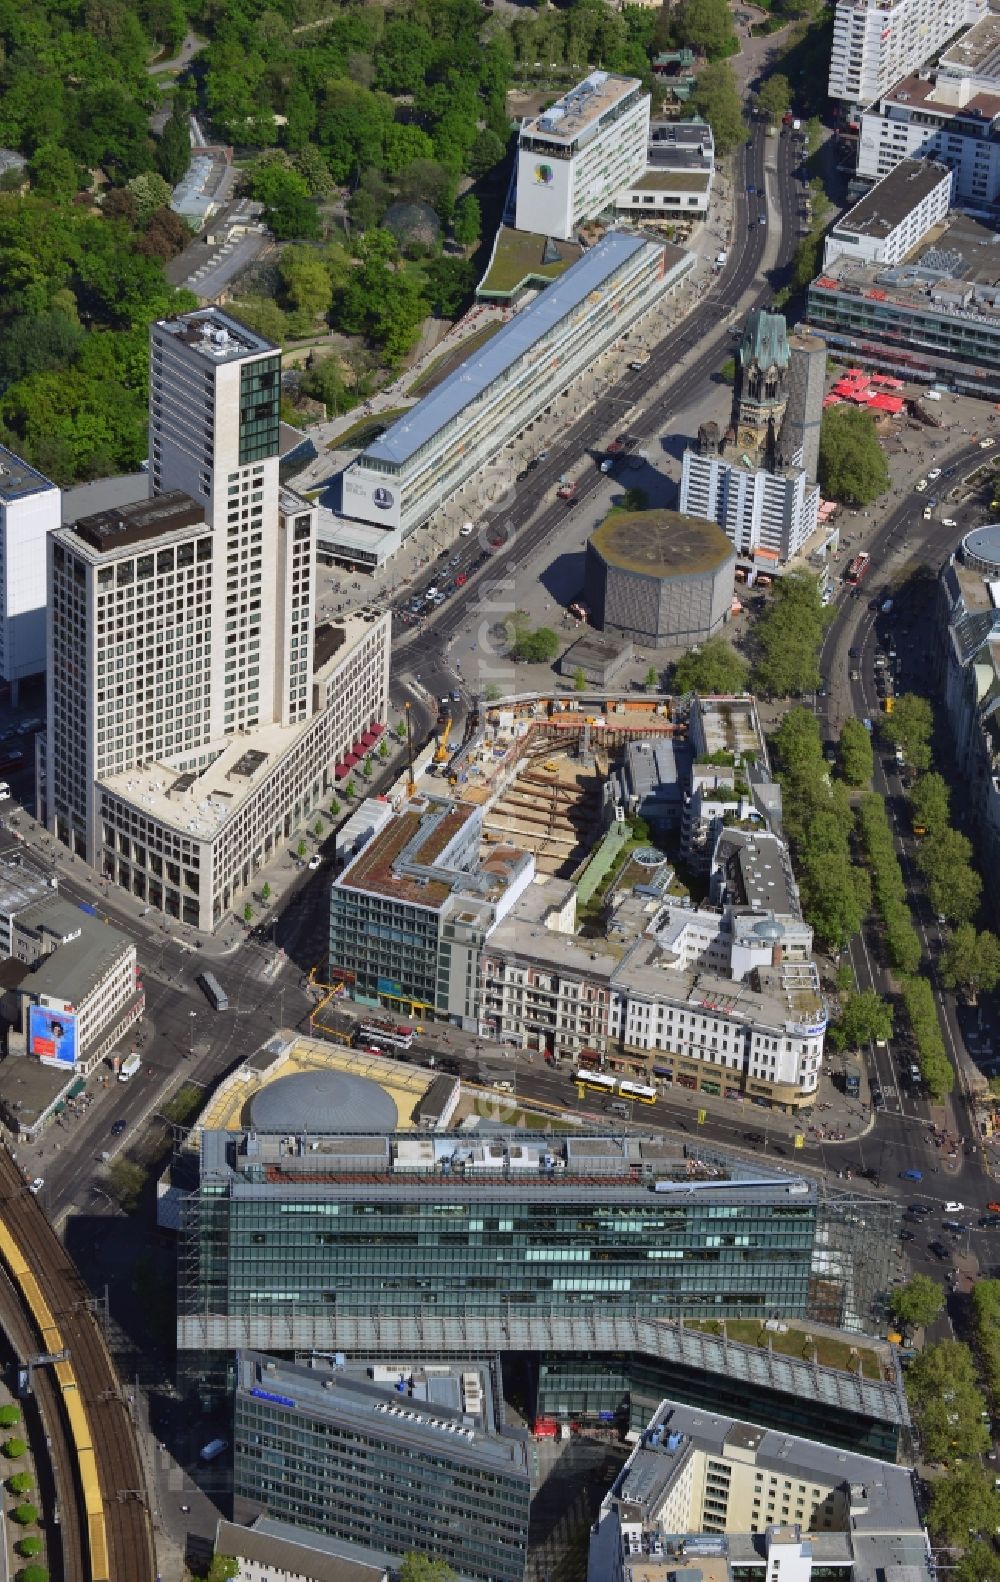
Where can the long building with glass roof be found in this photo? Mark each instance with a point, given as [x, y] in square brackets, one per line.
[460, 427]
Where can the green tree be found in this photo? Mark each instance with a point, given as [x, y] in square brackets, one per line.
[28, 1547]
[579, 680]
[306, 282]
[9, 1415]
[383, 750]
[149, 192]
[865, 1018]
[309, 163]
[487, 150]
[420, 1568]
[917, 1303]
[634, 500]
[467, 222]
[125, 1182]
[21, 1483]
[652, 678]
[788, 638]
[538, 647]
[287, 208]
[943, 1394]
[350, 788]
[971, 962]
[318, 828]
[852, 466]
[173, 151]
[798, 743]
[910, 726]
[980, 1562]
[930, 800]
[716, 98]
[963, 1502]
[26, 1514]
[301, 849]
[775, 97]
[857, 759]
[265, 892]
[400, 729]
[366, 768]
[954, 888]
[33, 1573]
[14, 1448]
[222, 1569]
[54, 172]
[448, 284]
[714, 667]
[248, 913]
[706, 26]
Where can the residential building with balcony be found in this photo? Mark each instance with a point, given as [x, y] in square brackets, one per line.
[875, 42]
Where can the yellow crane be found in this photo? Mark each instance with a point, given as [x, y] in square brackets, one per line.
[441, 751]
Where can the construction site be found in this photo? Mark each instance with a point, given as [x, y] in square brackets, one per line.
[539, 768]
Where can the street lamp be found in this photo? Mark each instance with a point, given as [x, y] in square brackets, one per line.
[192, 1018]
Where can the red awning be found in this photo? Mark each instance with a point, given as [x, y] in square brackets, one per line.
[351, 759]
[377, 730]
[369, 739]
[341, 772]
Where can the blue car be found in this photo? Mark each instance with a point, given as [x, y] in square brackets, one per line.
[911, 1175]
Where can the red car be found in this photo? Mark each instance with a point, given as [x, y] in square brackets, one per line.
[496, 543]
[461, 580]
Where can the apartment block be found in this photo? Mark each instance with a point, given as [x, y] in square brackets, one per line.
[388, 1458]
[29, 510]
[732, 1501]
[949, 112]
[894, 217]
[409, 914]
[875, 42]
[575, 156]
[81, 996]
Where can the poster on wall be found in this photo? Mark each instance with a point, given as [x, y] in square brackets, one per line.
[52, 1036]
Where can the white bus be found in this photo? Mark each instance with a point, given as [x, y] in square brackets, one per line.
[388, 1034]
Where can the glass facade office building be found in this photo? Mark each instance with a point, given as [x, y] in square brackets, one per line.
[321, 1229]
[392, 1467]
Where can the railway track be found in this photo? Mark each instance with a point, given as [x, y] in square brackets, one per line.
[65, 1555]
[120, 1544]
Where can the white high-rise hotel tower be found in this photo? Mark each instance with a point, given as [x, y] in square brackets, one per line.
[195, 717]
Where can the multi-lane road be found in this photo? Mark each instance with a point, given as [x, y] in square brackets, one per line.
[693, 352]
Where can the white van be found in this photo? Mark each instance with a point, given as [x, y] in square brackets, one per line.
[129, 1067]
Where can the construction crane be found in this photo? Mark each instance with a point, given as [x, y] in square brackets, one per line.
[441, 751]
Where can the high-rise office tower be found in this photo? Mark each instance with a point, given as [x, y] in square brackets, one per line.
[195, 716]
[214, 405]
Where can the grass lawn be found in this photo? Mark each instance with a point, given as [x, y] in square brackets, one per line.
[829, 1352]
[442, 366]
[518, 257]
[366, 429]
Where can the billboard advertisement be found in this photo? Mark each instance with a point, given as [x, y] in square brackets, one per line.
[52, 1036]
[371, 496]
